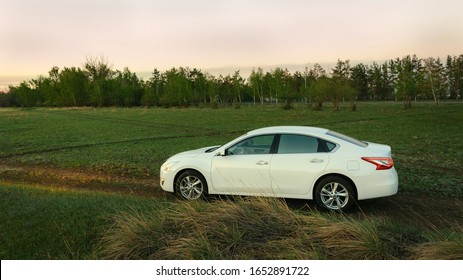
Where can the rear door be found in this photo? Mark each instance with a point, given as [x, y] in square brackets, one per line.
[299, 160]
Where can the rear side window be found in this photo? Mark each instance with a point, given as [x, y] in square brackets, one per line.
[329, 146]
[298, 144]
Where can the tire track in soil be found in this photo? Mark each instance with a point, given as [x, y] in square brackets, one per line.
[63, 148]
[80, 180]
[207, 132]
[80, 146]
[419, 210]
[133, 122]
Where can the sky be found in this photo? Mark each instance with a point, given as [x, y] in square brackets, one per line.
[220, 35]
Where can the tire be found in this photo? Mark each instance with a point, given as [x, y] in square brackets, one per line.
[191, 185]
[335, 193]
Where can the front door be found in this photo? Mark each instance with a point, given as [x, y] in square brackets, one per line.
[245, 167]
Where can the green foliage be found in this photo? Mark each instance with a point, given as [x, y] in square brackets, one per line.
[256, 80]
[359, 78]
[408, 78]
[454, 72]
[407, 73]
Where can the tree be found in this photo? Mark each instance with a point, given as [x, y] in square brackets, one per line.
[305, 90]
[24, 94]
[317, 72]
[238, 83]
[199, 85]
[226, 91]
[51, 88]
[454, 71]
[375, 81]
[311, 87]
[74, 84]
[434, 80]
[99, 73]
[340, 87]
[154, 89]
[256, 82]
[178, 89]
[320, 89]
[213, 88]
[406, 76]
[359, 80]
[280, 81]
[127, 89]
[299, 85]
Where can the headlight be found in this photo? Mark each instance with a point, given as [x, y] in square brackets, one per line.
[167, 166]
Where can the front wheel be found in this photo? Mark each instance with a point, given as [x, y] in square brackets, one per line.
[191, 185]
[334, 193]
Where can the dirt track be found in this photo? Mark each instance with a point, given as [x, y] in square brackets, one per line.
[419, 210]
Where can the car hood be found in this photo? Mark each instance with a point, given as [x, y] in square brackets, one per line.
[193, 153]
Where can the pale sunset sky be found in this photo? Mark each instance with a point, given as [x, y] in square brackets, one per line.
[215, 35]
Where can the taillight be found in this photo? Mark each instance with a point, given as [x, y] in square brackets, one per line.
[382, 163]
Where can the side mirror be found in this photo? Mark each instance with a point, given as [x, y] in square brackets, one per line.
[222, 152]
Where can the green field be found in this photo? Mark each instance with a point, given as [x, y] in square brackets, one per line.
[54, 163]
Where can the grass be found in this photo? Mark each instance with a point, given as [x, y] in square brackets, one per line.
[260, 228]
[426, 140]
[49, 223]
[47, 155]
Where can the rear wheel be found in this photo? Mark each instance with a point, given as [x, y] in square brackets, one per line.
[191, 185]
[335, 193]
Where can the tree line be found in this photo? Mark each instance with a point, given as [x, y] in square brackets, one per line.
[97, 84]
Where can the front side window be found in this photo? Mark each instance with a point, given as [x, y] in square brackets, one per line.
[252, 146]
[298, 144]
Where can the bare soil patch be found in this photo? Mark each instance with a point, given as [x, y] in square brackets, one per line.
[80, 180]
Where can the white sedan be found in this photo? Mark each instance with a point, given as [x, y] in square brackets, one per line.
[286, 161]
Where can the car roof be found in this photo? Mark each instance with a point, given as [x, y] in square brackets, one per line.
[289, 129]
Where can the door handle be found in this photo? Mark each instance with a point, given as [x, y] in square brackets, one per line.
[262, 162]
[317, 160]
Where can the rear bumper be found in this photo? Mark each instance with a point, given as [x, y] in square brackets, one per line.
[379, 184]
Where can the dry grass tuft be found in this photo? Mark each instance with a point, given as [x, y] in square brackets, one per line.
[441, 246]
[352, 239]
[442, 250]
[258, 228]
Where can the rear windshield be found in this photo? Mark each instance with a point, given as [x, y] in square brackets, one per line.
[348, 139]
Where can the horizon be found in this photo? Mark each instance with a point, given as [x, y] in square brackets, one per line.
[245, 71]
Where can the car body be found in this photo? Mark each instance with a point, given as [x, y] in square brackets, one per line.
[286, 161]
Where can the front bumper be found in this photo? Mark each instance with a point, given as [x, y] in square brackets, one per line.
[167, 180]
